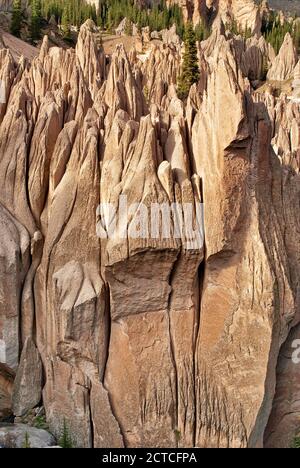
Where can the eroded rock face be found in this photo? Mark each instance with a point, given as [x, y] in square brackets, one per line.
[14, 264]
[245, 316]
[156, 340]
[28, 382]
[6, 389]
[285, 62]
[284, 420]
[245, 12]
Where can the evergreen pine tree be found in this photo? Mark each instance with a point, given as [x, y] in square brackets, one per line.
[16, 18]
[65, 440]
[36, 18]
[65, 22]
[190, 73]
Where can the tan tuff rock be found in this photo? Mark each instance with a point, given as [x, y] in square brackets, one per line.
[148, 334]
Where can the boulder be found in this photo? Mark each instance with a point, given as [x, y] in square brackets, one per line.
[16, 435]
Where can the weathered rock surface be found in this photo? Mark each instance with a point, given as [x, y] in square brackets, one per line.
[14, 436]
[284, 421]
[27, 390]
[6, 388]
[14, 264]
[170, 36]
[285, 62]
[18, 48]
[244, 12]
[230, 251]
[166, 339]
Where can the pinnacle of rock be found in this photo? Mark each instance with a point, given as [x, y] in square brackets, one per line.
[285, 62]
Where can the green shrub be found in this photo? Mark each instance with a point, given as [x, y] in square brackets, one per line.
[16, 21]
[41, 423]
[296, 442]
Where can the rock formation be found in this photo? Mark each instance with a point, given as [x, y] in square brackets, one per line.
[15, 436]
[285, 62]
[6, 389]
[284, 421]
[245, 12]
[28, 382]
[174, 338]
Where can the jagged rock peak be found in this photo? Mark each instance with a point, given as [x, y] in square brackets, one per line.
[91, 57]
[285, 62]
[44, 48]
[121, 88]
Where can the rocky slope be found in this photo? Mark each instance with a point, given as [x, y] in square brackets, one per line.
[17, 47]
[156, 341]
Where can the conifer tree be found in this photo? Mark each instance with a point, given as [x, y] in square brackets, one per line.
[111, 12]
[16, 21]
[65, 440]
[65, 22]
[36, 18]
[190, 73]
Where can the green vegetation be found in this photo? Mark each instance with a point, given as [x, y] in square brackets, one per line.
[16, 21]
[235, 29]
[157, 18]
[41, 423]
[65, 440]
[202, 32]
[68, 12]
[36, 19]
[274, 31]
[111, 13]
[177, 435]
[66, 22]
[296, 442]
[264, 69]
[26, 443]
[146, 94]
[190, 73]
